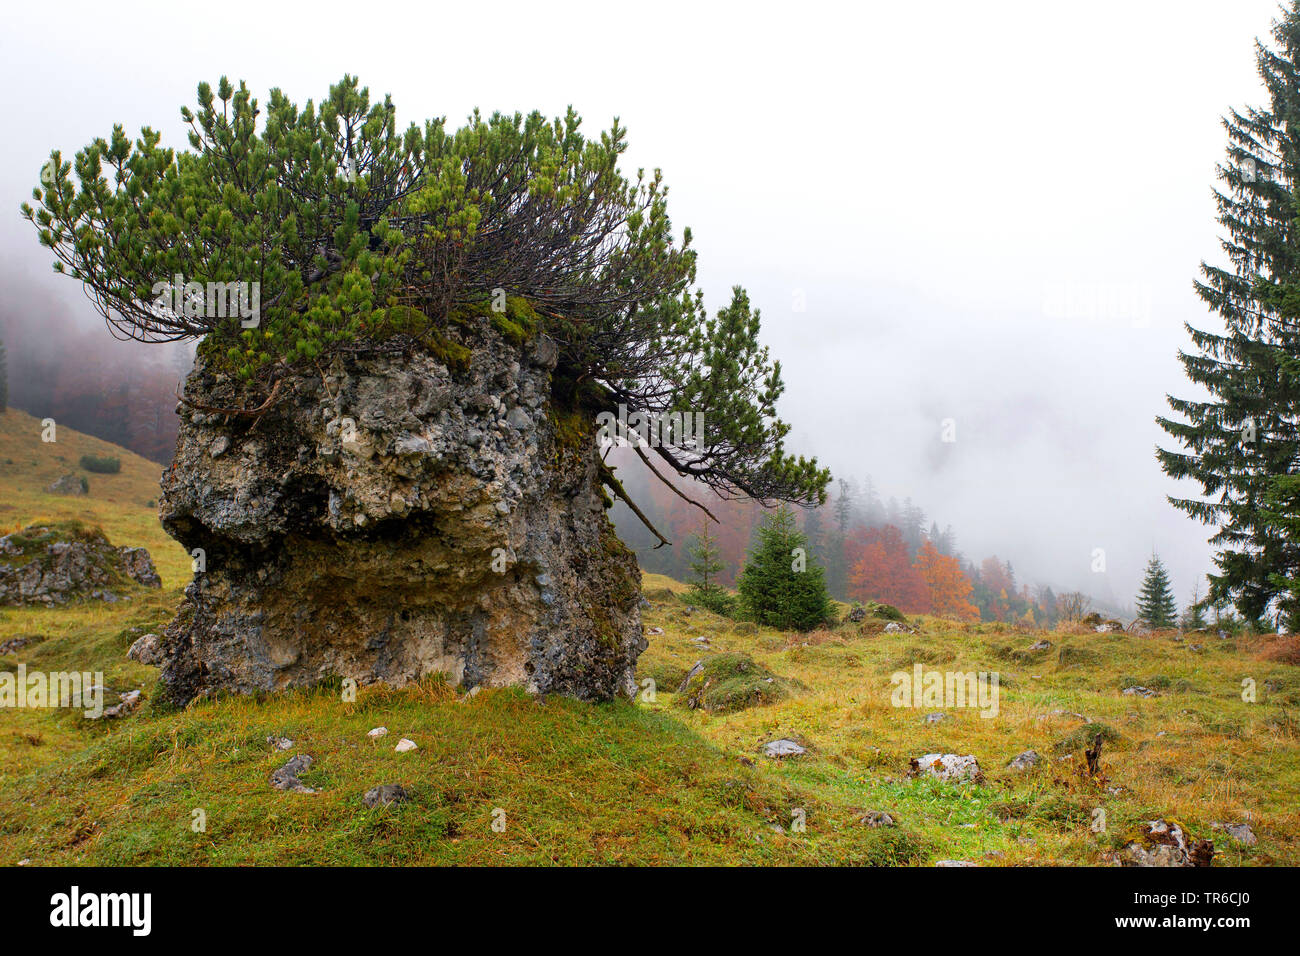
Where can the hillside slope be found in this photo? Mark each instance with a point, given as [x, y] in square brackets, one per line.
[123, 504]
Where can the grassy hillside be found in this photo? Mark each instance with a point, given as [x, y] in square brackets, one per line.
[124, 504]
[640, 783]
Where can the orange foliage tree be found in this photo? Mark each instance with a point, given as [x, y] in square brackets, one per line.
[882, 572]
[948, 587]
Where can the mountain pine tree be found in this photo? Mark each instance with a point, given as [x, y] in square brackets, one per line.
[1155, 602]
[781, 585]
[1241, 444]
[352, 234]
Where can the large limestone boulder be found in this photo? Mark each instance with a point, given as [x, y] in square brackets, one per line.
[397, 515]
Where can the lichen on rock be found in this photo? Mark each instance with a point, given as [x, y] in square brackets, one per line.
[392, 516]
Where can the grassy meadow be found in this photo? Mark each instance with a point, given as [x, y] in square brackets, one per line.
[504, 778]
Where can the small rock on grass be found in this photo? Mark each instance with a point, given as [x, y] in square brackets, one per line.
[1241, 832]
[377, 732]
[954, 863]
[1024, 761]
[405, 745]
[146, 650]
[876, 818]
[953, 768]
[385, 795]
[286, 778]
[280, 743]
[783, 747]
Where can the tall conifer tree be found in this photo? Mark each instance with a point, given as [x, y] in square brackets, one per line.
[1243, 439]
[1155, 602]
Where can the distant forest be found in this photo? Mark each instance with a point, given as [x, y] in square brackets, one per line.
[872, 549]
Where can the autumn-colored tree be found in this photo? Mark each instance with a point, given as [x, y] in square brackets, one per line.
[881, 570]
[947, 586]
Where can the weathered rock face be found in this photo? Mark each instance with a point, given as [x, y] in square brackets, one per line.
[59, 563]
[391, 517]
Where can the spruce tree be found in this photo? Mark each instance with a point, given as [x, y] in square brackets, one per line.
[1155, 602]
[706, 561]
[706, 564]
[781, 584]
[1194, 616]
[1241, 444]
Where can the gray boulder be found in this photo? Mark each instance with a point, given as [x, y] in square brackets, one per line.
[396, 515]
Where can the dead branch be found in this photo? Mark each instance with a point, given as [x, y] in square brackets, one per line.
[616, 486]
[673, 488]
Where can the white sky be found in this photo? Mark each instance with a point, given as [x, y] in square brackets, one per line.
[929, 177]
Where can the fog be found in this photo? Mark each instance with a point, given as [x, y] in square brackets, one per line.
[990, 214]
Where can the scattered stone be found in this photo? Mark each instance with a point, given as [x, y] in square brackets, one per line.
[385, 795]
[139, 567]
[953, 768]
[696, 670]
[893, 627]
[935, 718]
[17, 643]
[67, 485]
[404, 745]
[377, 732]
[145, 650]
[286, 778]
[24, 861]
[219, 446]
[1024, 761]
[1040, 645]
[954, 863]
[127, 702]
[784, 747]
[655, 631]
[471, 693]
[1241, 832]
[1164, 843]
[280, 743]
[1140, 692]
[1196, 648]
[857, 614]
[877, 818]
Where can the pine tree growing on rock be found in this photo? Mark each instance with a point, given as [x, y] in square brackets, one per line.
[781, 585]
[1155, 602]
